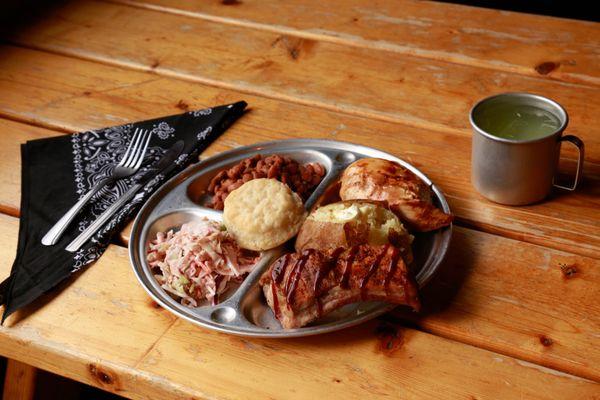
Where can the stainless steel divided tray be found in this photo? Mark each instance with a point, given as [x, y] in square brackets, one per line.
[244, 310]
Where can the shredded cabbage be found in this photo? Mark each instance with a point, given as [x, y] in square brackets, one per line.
[198, 262]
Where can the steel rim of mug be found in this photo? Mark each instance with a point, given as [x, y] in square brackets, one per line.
[564, 117]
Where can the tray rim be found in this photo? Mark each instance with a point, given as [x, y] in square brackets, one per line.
[319, 145]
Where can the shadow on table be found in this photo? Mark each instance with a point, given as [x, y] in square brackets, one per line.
[40, 302]
[446, 284]
[15, 14]
[589, 184]
[389, 332]
[563, 9]
[441, 291]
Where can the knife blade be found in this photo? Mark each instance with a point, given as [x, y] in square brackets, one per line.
[166, 160]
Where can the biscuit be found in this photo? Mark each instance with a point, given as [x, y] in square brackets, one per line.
[263, 214]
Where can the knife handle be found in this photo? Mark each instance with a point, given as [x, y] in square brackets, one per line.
[62, 224]
[101, 220]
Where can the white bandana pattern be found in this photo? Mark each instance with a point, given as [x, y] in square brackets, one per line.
[163, 130]
[198, 113]
[95, 153]
[202, 135]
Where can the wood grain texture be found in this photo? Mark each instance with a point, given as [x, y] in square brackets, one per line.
[501, 40]
[103, 330]
[84, 95]
[94, 329]
[536, 304]
[519, 303]
[19, 382]
[499, 294]
[368, 82]
[374, 360]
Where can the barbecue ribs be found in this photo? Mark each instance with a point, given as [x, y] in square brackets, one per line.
[302, 287]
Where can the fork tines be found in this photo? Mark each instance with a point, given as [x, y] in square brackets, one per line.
[136, 150]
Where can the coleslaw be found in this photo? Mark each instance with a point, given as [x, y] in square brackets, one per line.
[199, 261]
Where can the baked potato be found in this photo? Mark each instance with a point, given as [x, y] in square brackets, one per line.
[406, 195]
[349, 223]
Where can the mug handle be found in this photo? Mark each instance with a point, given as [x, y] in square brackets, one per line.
[579, 143]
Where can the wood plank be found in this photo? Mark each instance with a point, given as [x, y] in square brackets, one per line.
[19, 382]
[372, 361]
[424, 93]
[509, 41]
[497, 293]
[100, 316]
[538, 305]
[112, 96]
[103, 330]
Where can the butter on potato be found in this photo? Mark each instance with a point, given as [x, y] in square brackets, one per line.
[350, 223]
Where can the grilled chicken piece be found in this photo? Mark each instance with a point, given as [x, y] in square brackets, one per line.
[302, 287]
[405, 193]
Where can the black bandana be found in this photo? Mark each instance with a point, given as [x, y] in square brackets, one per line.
[56, 172]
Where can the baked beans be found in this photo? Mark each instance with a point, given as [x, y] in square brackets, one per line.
[302, 179]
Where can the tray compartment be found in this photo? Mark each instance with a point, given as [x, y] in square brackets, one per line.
[173, 220]
[197, 188]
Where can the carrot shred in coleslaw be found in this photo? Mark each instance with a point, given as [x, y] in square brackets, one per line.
[198, 262]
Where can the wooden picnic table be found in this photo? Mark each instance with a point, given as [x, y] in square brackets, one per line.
[515, 311]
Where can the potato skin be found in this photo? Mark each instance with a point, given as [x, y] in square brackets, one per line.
[325, 236]
[331, 227]
[406, 195]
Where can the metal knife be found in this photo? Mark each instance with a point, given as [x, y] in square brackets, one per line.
[167, 160]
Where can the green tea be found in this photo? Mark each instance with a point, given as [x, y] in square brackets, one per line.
[518, 122]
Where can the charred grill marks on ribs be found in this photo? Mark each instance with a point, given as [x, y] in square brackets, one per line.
[302, 287]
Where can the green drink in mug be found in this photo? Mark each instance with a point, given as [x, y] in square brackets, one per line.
[516, 146]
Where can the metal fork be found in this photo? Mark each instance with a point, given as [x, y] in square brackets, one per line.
[129, 165]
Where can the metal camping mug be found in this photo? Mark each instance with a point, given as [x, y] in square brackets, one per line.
[518, 172]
